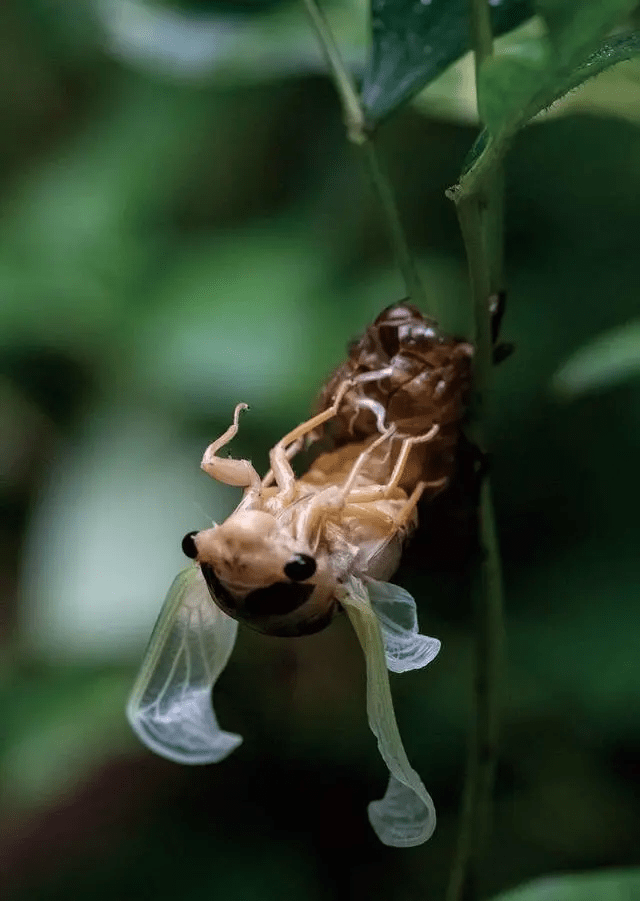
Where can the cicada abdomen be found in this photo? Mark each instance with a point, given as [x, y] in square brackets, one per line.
[406, 373]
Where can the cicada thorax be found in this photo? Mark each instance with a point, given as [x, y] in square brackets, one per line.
[406, 373]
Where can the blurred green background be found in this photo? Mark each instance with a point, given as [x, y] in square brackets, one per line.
[183, 227]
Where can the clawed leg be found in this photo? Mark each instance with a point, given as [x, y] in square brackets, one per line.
[348, 498]
[347, 488]
[330, 500]
[280, 465]
[401, 521]
[239, 473]
[378, 492]
[374, 375]
[368, 403]
[405, 514]
[290, 453]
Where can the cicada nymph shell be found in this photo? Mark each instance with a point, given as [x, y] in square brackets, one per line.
[408, 374]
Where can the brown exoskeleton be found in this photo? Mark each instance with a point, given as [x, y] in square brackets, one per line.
[405, 372]
[298, 550]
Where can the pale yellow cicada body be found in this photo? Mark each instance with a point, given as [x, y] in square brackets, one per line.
[296, 552]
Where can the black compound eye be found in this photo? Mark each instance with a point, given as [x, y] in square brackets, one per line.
[189, 548]
[300, 567]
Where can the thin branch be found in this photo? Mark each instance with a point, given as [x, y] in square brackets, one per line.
[490, 642]
[470, 217]
[481, 34]
[359, 134]
[342, 78]
[479, 205]
[482, 42]
[494, 229]
[406, 263]
[462, 885]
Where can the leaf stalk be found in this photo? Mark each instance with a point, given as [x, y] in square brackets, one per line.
[360, 134]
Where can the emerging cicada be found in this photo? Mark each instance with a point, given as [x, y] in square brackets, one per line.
[299, 550]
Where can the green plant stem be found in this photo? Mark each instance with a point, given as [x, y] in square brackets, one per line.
[471, 218]
[494, 227]
[360, 135]
[477, 178]
[345, 85]
[462, 885]
[481, 34]
[475, 815]
[479, 205]
[406, 263]
[490, 640]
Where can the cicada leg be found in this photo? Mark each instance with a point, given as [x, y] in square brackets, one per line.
[404, 516]
[362, 459]
[333, 499]
[361, 402]
[280, 465]
[368, 403]
[239, 473]
[290, 454]
[379, 492]
[326, 503]
[401, 519]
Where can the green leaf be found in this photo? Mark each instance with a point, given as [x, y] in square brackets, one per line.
[615, 50]
[616, 92]
[415, 40]
[611, 885]
[477, 149]
[608, 360]
[532, 72]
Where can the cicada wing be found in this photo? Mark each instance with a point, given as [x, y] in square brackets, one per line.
[405, 816]
[405, 648]
[170, 707]
[402, 818]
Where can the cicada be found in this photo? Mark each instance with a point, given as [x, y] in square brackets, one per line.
[301, 549]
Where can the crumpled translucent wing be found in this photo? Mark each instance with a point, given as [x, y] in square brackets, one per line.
[405, 816]
[405, 648]
[170, 706]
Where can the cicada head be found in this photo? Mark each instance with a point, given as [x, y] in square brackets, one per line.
[257, 573]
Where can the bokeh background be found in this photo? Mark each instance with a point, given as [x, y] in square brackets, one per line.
[183, 226]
